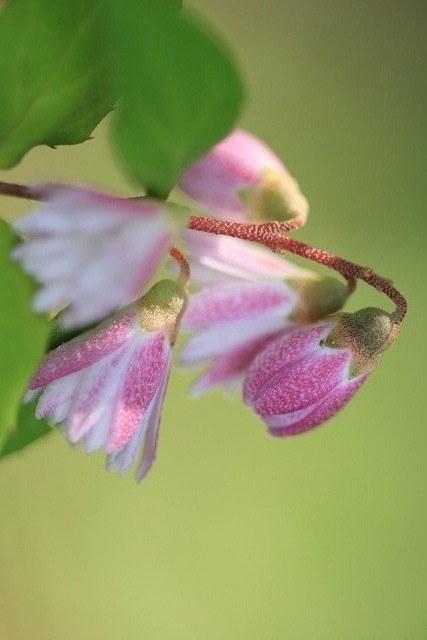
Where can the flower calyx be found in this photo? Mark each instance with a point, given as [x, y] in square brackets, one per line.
[367, 333]
[318, 297]
[161, 308]
[277, 197]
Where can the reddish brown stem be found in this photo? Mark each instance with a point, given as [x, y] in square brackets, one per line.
[184, 267]
[17, 191]
[271, 236]
[349, 270]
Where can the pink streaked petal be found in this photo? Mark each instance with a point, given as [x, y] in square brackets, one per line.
[236, 163]
[212, 342]
[83, 351]
[143, 436]
[127, 275]
[235, 258]
[302, 384]
[321, 412]
[292, 346]
[237, 301]
[94, 398]
[150, 447]
[57, 394]
[90, 251]
[228, 369]
[144, 374]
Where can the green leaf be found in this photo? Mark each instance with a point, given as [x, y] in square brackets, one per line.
[54, 74]
[181, 91]
[23, 335]
[28, 430]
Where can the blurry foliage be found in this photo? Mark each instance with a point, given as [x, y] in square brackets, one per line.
[63, 67]
[23, 334]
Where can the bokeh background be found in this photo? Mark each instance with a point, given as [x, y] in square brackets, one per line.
[236, 535]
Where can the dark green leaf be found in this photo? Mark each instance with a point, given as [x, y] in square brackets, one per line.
[54, 85]
[23, 335]
[28, 430]
[181, 91]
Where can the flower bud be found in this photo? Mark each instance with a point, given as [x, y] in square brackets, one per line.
[307, 374]
[242, 179]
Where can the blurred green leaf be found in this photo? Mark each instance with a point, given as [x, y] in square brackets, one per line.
[181, 90]
[80, 123]
[54, 75]
[28, 430]
[23, 335]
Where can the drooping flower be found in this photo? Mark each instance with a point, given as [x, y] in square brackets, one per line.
[308, 373]
[233, 320]
[90, 251]
[106, 387]
[242, 179]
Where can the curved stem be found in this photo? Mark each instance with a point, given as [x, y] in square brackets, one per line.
[184, 267]
[349, 270]
[271, 236]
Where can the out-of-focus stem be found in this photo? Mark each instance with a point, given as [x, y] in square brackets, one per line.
[17, 191]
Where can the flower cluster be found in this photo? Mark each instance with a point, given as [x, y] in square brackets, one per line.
[257, 321]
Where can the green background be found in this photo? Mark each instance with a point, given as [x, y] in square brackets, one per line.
[234, 534]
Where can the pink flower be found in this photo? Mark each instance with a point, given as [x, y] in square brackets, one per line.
[241, 178]
[233, 320]
[308, 373]
[91, 251]
[106, 387]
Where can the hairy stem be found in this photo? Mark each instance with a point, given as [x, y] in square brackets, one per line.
[184, 267]
[271, 236]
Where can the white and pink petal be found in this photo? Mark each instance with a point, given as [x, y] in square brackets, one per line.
[228, 369]
[216, 258]
[237, 301]
[90, 251]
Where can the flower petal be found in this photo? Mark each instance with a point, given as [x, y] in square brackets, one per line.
[95, 396]
[82, 351]
[145, 435]
[294, 424]
[143, 377]
[217, 258]
[292, 346]
[228, 369]
[90, 250]
[302, 384]
[236, 163]
[234, 302]
[216, 340]
[57, 396]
